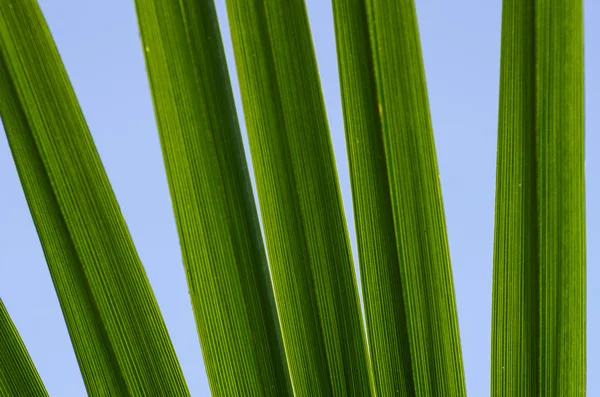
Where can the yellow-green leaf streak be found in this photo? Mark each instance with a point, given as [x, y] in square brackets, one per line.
[118, 334]
[222, 247]
[416, 200]
[373, 214]
[18, 376]
[304, 223]
[538, 330]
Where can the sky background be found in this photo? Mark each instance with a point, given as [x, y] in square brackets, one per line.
[100, 46]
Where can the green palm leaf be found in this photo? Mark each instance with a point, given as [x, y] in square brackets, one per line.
[304, 224]
[292, 324]
[118, 334]
[18, 376]
[403, 249]
[538, 340]
[222, 247]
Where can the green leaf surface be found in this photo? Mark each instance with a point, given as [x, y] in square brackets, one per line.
[222, 247]
[403, 249]
[18, 376]
[118, 334]
[303, 219]
[378, 256]
[538, 330]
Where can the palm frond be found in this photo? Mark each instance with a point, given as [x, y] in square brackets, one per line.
[117, 331]
[303, 219]
[538, 330]
[403, 248]
[18, 376]
[222, 247]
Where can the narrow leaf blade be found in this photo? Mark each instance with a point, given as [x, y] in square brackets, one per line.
[125, 348]
[373, 214]
[538, 334]
[305, 228]
[561, 196]
[403, 248]
[515, 342]
[18, 376]
[222, 247]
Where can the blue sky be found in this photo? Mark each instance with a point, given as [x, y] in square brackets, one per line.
[99, 43]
